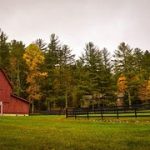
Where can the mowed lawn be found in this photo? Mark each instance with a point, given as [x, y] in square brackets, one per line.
[59, 133]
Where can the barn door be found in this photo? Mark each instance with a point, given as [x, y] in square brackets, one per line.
[1, 108]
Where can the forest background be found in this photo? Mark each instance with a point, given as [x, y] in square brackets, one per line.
[49, 76]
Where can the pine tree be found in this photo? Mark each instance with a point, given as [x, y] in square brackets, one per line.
[125, 64]
[64, 72]
[51, 61]
[4, 51]
[41, 44]
[17, 66]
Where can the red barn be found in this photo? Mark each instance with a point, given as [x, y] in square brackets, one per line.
[9, 103]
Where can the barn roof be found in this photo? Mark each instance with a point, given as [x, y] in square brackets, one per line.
[5, 75]
[19, 98]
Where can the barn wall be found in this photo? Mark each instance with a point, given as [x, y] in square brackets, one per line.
[11, 104]
[5, 107]
[5, 88]
[15, 106]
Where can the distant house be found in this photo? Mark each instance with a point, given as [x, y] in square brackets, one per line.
[11, 104]
[120, 101]
[86, 101]
[90, 100]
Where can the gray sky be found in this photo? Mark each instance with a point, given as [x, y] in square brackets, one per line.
[76, 22]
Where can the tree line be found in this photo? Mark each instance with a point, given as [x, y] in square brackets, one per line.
[49, 76]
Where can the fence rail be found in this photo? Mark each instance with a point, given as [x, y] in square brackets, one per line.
[134, 111]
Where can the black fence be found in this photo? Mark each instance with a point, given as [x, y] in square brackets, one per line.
[117, 112]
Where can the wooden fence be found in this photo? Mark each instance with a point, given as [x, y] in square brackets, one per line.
[117, 112]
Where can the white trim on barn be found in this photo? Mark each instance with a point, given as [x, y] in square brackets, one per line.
[15, 114]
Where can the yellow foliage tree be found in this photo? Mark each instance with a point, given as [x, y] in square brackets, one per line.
[144, 91]
[128, 86]
[34, 58]
[122, 84]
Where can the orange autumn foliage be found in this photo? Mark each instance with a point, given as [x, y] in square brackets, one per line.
[144, 91]
[34, 58]
[122, 84]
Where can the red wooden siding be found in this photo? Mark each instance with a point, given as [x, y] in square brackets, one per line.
[11, 103]
[5, 88]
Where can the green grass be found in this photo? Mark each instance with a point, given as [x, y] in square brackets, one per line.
[58, 133]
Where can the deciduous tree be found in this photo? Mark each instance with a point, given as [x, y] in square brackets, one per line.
[34, 58]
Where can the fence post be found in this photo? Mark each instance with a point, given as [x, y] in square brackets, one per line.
[135, 113]
[66, 113]
[87, 113]
[102, 113]
[117, 113]
[75, 113]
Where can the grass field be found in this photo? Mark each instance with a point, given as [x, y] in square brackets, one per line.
[58, 133]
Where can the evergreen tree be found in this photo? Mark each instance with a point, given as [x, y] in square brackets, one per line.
[94, 65]
[125, 64]
[97, 65]
[51, 61]
[4, 51]
[106, 79]
[64, 76]
[41, 44]
[80, 88]
[17, 67]
[146, 64]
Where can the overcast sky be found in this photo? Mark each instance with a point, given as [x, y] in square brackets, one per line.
[76, 22]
